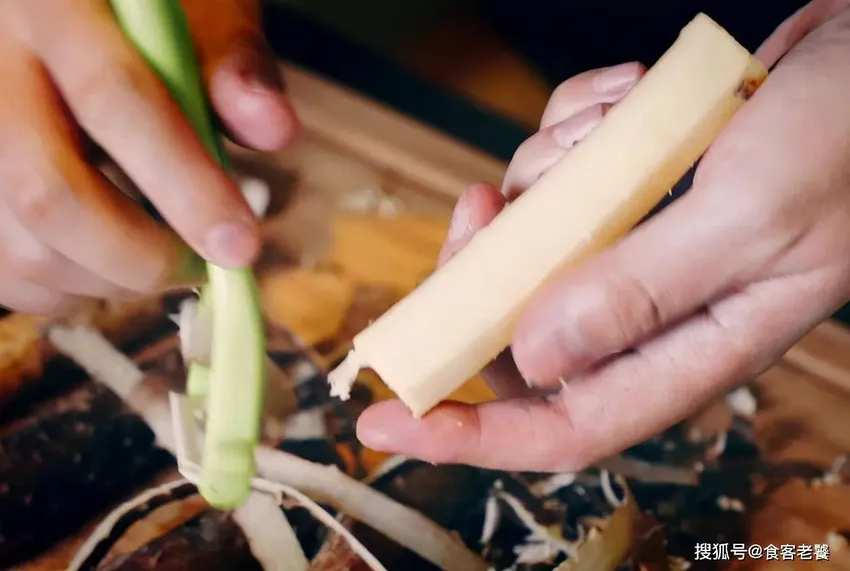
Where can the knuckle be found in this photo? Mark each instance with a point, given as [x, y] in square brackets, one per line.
[98, 98]
[564, 90]
[34, 263]
[618, 314]
[37, 196]
[50, 303]
[152, 284]
[567, 448]
[524, 152]
[36, 300]
[531, 160]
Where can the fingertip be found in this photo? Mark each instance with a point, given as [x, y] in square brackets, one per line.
[258, 119]
[380, 425]
[543, 352]
[618, 79]
[486, 202]
[33, 299]
[604, 85]
[569, 132]
[249, 99]
[233, 244]
[441, 436]
[477, 206]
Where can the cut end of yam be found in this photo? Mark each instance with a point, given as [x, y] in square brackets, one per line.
[463, 315]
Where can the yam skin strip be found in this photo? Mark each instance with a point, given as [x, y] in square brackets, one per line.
[608, 549]
[112, 527]
[188, 443]
[211, 541]
[326, 485]
[25, 357]
[252, 536]
[457, 321]
[272, 540]
[336, 555]
[61, 471]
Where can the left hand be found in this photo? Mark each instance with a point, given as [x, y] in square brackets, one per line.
[75, 92]
[708, 293]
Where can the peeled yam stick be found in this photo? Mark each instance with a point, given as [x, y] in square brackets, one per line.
[463, 316]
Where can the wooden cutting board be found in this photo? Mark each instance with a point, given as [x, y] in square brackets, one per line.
[334, 262]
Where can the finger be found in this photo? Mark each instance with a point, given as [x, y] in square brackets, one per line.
[477, 206]
[33, 299]
[504, 379]
[606, 85]
[22, 255]
[123, 106]
[546, 147]
[243, 77]
[62, 202]
[247, 93]
[623, 403]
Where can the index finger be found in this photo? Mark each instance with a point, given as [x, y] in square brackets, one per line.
[123, 106]
[621, 404]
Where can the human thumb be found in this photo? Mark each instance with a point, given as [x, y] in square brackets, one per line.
[666, 270]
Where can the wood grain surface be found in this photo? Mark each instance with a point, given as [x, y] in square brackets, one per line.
[329, 270]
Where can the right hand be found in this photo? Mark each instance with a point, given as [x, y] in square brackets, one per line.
[576, 107]
[70, 83]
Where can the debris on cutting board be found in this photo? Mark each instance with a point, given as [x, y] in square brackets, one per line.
[742, 402]
[319, 314]
[837, 541]
[691, 484]
[836, 475]
[643, 508]
[257, 194]
[370, 200]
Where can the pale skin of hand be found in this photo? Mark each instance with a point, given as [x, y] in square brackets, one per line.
[71, 83]
[708, 293]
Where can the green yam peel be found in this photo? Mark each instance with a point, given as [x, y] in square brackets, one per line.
[233, 385]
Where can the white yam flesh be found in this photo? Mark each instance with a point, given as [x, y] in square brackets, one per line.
[463, 316]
